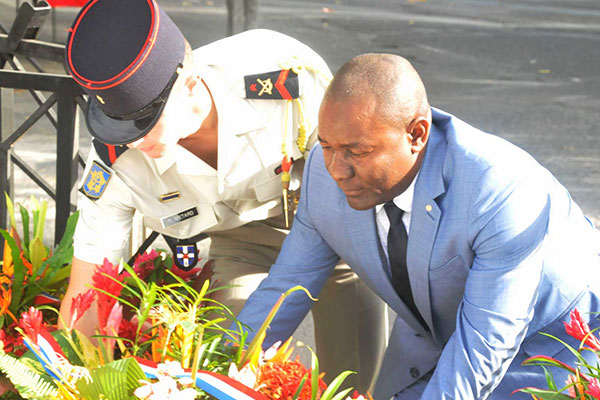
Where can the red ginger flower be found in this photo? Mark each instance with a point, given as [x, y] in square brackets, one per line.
[580, 330]
[593, 388]
[32, 322]
[80, 305]
[108, 279]
[280, 381]
[144, 263]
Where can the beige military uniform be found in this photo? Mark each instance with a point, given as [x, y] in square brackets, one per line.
[239, 203]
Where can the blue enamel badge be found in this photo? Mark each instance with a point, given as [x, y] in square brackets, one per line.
[186, 256]
[96, 181]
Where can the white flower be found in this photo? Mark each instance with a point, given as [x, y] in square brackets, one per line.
[245, 376]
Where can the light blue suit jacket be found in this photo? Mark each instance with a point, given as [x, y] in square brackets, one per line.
[497, 252]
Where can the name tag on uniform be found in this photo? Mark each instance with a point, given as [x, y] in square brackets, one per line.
[177, 218]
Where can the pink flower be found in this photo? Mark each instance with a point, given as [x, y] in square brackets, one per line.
[580, 330]
[80, 305]
[113, 322]
[32, 322]
[593, 388]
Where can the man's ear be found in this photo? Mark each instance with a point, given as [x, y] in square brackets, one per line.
[418, 133]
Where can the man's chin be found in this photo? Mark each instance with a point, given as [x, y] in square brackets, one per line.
[360, 203]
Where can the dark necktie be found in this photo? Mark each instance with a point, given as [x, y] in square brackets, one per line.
[397, 244]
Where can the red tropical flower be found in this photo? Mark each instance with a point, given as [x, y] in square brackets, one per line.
[593, 388]
[13, 342]
[185, 275]
[108, 279]
[580, 330]
[32, 322]
[280, 381]
[144, 263]
[80, 305]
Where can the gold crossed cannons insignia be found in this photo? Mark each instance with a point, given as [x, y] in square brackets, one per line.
[267, 86]
[279, 85]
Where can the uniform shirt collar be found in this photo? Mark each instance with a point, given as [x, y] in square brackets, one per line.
[235, 114]
[187, 163]
[404, 200]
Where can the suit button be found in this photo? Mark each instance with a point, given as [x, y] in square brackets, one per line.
[414, 372]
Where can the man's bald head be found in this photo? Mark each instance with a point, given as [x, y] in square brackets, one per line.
[388, 80]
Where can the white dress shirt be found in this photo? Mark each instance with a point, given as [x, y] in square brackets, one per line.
[404, 202]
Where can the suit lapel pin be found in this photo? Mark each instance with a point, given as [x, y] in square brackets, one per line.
[428, 208]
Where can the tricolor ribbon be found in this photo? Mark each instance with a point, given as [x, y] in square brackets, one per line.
[219, 386]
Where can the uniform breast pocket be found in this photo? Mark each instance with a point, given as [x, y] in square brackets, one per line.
[268, 189]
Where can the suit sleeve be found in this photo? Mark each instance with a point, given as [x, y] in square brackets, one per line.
[506, 227]
[305, 259]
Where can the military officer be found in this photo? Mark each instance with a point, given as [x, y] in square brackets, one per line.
[205, 141]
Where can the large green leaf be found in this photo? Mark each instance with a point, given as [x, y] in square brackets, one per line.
[25, 223]
[29, 384]
[37, 253]
[11, 210]
[115, 381]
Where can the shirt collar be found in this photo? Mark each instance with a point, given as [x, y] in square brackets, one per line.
[236, 116]
[404, 200]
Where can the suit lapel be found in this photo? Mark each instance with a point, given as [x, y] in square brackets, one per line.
[424, 223]
[366, 247]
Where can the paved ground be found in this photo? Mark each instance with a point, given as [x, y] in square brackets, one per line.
[526, 70]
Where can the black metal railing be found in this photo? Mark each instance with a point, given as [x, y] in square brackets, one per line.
[21, 41]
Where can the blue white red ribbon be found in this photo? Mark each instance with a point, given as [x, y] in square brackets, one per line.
[219, 386]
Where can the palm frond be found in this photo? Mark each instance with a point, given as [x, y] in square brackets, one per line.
[29, 384]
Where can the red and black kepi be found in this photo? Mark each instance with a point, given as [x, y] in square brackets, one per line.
[126, 55]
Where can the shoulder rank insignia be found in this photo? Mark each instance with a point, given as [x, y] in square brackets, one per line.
[96, 181]
[107, 152]
[278, 85]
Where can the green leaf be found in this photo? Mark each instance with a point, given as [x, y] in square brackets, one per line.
[37, 253]
[25, 222]
[29, 384]
[11, 211]
[335, 385]
[300, 387]
[256, 343]
[314, 375]
[342, 395]
[115, 381]
[544, 394]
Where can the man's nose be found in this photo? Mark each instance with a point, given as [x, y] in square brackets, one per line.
[338, 167]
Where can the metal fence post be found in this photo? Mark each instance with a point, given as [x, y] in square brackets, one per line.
[67, 147]
[6, 169]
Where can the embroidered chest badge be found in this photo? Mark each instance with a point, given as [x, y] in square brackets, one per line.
[186, 256]
[277, 85]
[96, 181]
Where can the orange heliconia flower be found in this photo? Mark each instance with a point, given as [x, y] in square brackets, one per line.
[280, 381]
[5, 298]
[7, 265]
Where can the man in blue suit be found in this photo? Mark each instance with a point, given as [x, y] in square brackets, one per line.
[497, 251]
